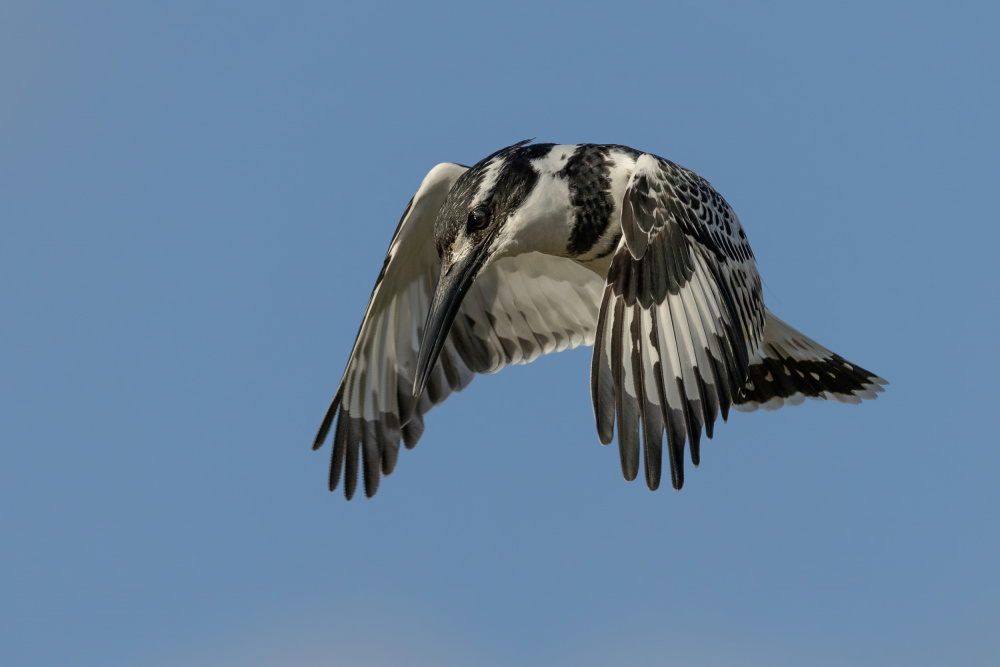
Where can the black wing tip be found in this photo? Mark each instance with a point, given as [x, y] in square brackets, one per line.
[654, 463]
[350, 487]
[324, 430]
[363, 449]
[324, 427]
[779, 379]
[677, 477]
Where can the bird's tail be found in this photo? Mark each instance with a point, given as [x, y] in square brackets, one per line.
[791, 367]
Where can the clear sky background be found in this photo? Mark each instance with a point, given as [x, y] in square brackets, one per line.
[195, 200]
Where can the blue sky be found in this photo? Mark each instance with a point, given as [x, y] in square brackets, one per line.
[195, 200]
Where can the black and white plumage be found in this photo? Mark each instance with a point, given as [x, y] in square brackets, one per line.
[541, 248]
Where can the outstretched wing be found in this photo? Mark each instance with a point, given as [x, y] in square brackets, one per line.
[517, 310]
[681, 317]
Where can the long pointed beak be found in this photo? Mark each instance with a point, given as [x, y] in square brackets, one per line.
[452, 286]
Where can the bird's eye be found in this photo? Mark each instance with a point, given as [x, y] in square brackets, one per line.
[479, 219]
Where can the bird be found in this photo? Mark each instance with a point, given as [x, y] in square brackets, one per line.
[544, 247]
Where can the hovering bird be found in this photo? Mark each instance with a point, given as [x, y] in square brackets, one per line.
[542, 247]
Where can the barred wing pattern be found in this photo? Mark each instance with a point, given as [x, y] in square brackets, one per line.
[791, 367]
[518, 309]
[681, 317]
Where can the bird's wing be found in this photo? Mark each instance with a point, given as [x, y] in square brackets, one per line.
[791, 367]
[518, 309]
[681, 317]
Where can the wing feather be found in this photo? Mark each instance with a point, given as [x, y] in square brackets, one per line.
[628, 417]
[792, 367]
[646, 350]
[602, 382]
[684, 285]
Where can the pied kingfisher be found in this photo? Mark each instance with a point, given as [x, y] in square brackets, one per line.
[544, 247]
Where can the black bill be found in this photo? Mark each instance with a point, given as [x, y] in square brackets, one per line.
[452, 286]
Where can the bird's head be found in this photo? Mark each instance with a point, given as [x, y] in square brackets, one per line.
[492, 211]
